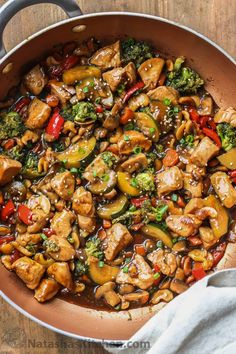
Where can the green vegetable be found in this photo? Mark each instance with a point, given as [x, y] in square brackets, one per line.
[126, 138]
[80, 268]
[58, 146]
[11, 126]
[227, 135]
[30, 166]
[137, 150]
[125, 269]
[135, 51]
[104, 184]
[66, 113]
[174, 197]
[121, 88]
[184, 79]
[145, 182]
[153, 230]
[109, 158]
[50, 246]
[187, 140]
[93, 248]
[43, 236]
[16, 153]
[101, 264]
[167, 101]
[156, 275]
[113, 209]
[160, 211]
[83, 111]
[160, 244]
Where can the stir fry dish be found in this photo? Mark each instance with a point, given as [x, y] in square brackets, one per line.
[117, 174]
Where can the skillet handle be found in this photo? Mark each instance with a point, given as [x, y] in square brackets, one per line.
[11, 7]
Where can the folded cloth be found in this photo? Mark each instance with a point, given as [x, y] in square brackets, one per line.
[200, 321]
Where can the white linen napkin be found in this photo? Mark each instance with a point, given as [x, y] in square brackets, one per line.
[200, 321]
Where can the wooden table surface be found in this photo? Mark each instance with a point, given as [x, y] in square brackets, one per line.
[213, 18]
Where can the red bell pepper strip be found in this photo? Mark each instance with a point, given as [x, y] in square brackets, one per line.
[15, 255]
[25, 214]
[99, 109]
[194, 115]
[9, 144]
[203, 121]
[198, 272]
[48, 232]
[212, 124]
[137, 202]
[55, 125]
[127, 116]
[218, 253]
[132, 90]
[232, 173]
[213, 135]
[69, 62]
[7, 210]
[6, 239]
[21, 104]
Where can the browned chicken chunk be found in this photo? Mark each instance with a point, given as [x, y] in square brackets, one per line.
[60, 90]
[135, 163]
[224, 189]
[87, 223]
[169, 180]
[139, 274]
[38, 114]
[61, 223]
[83, 202]
[118, 237]
[35, 80]
[59, 249]
[183, 225]
[150, 71]
[8, 169]
[205, 150]
[226, 116]
[29, 271]
[165, 260]
[46, 290]
[107, 57]
[194, 187]
[64, 184]
[130, 139]
[60, 271]
[115, 76]
[162, 92]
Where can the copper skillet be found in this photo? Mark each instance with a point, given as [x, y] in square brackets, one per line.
[214, 65]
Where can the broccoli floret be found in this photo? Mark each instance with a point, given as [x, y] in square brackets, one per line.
[187, 140]
[58, 146]
[93, 248]
[11, 126]
[145, 182]
[80, 268]
[135, 51]
[227, 135]
[82, 111]
[109, 158]
[16, 153]
[184, 79]
[30, 168]
[51, 246]
[66, 113]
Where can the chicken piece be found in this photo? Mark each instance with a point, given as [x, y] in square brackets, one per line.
[115, 76]
[38, 114]
[86, 223]
[194, 187]
[64, 184]
[162, 92]
[143, 278]
[111, 122]
[224, 189]
[193, 205]
[40, 207]
[83, 202]
[118, 237]
[165, 260]
[135, 163]
[98, 165]
[207, 236]
[35, 80]
[59, 248]
[8, 169]
[130, 139]
[26, 239]
[196, 171]
[150, 71]
[46, 290]
[59, 89]
[60, 271]
[205, 150]
[183, 225]
[226, 116]
[141, 100]
[169, 180]
[61, 223]
[29, 271]
[107, 57]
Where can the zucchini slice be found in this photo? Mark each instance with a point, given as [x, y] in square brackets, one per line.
[114, 209]
[78, 73]
[78, 153]
[102, 275]
[124, 184]
[103, 185]
[228, 159]
[147, 125]
[154, 231]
